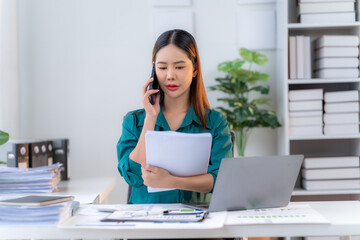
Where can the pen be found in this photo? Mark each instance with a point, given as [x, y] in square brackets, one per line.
[184, 212]
[147, 213]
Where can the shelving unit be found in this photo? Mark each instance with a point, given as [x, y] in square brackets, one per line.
[308, 145]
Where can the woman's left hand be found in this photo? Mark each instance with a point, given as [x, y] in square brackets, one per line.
[156, 177]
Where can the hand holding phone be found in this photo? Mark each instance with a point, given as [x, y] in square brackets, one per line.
[153, 85]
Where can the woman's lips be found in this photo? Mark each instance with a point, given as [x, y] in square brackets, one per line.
[172, 87]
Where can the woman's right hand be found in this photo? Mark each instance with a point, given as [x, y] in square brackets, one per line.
[151, 110]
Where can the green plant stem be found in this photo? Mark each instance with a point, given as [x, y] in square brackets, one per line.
[241, 138]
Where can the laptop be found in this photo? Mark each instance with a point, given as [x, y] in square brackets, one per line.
[255, 182]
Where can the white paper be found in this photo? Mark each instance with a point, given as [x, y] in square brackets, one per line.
[285, 215]
[256, 29]
[169, 20]
[212, 221]
[182, 154]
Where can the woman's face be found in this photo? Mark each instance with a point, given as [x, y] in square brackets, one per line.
[174, 71]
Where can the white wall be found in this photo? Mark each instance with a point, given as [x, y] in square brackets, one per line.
[82, 64]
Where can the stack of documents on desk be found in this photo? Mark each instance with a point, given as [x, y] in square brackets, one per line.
[35, 210]
[29, 180]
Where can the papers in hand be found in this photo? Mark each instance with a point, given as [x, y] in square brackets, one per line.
[182, 154]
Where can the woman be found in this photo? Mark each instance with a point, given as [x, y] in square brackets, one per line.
[181, 105]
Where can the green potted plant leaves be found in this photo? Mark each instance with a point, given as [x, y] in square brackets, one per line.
[243, 114]
[4, 137]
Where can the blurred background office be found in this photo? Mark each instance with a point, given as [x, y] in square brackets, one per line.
[74, 68]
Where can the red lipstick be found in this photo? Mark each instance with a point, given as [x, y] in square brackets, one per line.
[172, 87]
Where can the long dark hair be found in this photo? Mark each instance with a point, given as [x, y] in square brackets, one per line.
[186, 42]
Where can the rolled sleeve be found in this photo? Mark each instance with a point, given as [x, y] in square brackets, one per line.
[221, 145]
[128, 169]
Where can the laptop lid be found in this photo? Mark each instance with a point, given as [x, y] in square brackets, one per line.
[255, 182]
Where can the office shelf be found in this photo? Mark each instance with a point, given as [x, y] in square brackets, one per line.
[323, 80]
[323, 145]
[302, 192]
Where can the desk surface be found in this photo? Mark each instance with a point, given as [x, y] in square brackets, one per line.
[344, 218]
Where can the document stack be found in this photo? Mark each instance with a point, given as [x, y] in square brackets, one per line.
[306, 112]
[319, 11]
[299, 57]
[29, 180]
[331, 173]
[341, 115]
[337, 56]
[35, 210]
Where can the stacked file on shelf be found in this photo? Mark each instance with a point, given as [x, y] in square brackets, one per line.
[32, 210]
[29, 180]
[331, 173]
[306, 112]
[299, 57]
[341, 115]
[337, 56]
[315, 11]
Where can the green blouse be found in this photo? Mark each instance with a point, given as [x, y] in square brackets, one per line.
[131, 171]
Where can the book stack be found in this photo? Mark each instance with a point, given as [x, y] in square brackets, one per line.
[29, 180]
[35, 210]
[337, 56]
[331, 173]
[330, 11]
[299, 57]
[341, 112]
[306, 112]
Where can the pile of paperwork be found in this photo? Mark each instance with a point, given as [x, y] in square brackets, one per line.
[29, 180]
[35, 210]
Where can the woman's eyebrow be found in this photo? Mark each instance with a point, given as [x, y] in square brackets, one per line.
[173, 63]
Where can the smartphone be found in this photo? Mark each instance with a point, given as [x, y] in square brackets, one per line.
[153, 85]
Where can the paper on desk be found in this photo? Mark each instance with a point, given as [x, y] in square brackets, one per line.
[285, 215]
[213, 221]
[182, 154]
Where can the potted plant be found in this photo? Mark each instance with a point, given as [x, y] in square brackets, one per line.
[4, 137]
[244, 113]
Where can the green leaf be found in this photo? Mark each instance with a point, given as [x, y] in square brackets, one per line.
[4, 137]
[259, 58]
[246, 54]
[225, 66]
[261, 101]
[263, 89]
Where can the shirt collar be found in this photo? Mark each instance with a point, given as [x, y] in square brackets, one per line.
[190, 117]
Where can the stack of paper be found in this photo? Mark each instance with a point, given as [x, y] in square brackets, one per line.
[35, 210]
[341, 112]
[331, 173]
[306, 112]
[337, 56]
[29, 180]
[315, 11]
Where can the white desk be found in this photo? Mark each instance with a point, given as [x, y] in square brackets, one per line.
[92, 190]
[344, 218]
